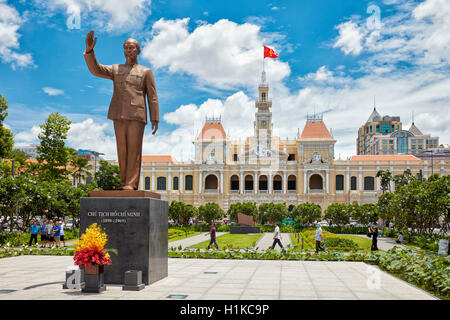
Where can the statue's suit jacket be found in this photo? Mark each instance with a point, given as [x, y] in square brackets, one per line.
[131, 85]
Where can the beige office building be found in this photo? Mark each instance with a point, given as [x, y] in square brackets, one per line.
[264, 168]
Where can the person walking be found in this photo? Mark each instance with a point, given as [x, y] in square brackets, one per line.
[57, 233]
[63, 225]
[213, 236]
[277, 237]
[43, 233]
[400, 238]
[373, 232]
[50, 234]
[35, 229]
[319, 238]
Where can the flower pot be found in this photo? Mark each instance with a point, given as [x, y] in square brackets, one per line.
[94, 279]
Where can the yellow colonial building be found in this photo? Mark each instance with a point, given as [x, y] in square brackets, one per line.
[264, 168]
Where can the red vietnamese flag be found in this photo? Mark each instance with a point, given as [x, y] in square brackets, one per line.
[269, 53]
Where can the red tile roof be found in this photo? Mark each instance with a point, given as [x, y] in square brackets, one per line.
[399, 157]
[212, 131]
[315, 129]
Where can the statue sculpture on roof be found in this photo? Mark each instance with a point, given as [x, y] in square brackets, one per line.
[133, 85]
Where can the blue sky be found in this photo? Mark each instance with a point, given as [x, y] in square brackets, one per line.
[207, 56]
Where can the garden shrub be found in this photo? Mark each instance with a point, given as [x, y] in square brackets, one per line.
[340, 243]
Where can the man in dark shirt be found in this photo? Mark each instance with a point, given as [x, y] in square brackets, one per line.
[213, 236]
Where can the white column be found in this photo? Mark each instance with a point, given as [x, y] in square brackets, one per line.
[180, 181]
[328, 181]
[284, 182]
[169, 178]
[360, 179]
[270, 183]
[153, 178]
[347, 180]
[241, 183]
[200, 182]
[255, 182]
[304, 181]
[221, 181]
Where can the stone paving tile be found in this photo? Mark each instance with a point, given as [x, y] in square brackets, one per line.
[255, 280]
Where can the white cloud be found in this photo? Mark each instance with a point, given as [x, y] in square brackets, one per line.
[417, 33]
[52, 91]
[110, 15]
[27, 136]
[10, 23]
[350, 38]
[224, 54]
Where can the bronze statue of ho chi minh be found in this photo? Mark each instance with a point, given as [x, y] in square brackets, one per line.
[132, 84]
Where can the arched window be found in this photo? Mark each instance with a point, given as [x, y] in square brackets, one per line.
[369, 183]
[175, 183]
[263, 183]
[147, 183]
[189, 183]
[277, 183]
[353, 183]
[339, 182]
[234, 183]
[292, 183]
[248, 183]
[161, 183]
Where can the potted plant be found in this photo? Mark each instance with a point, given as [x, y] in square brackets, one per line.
[91, 255]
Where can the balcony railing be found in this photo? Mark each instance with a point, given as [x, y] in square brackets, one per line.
[248, 191]
[277, 191]
[292, 191]
[234, 191]
[263, 191]
[316, 191]
[211, 190]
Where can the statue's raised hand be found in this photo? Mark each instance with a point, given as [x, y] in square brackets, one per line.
[90, 42]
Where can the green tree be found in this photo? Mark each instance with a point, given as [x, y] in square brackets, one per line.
[247, 208]
[108, 176]
[337, 213]
[53, 155]
[366, 214]
[386, 178]
[272, 212]
[306, 213]
[81, 167]
[210, 212]
[181, 212]
[6, 135]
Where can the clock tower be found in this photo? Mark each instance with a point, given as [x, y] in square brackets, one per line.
[263, 117]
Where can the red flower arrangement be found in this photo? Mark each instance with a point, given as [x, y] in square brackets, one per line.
[90, 249]
[87, 256]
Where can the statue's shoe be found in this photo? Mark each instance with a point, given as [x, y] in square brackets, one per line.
[127, 188]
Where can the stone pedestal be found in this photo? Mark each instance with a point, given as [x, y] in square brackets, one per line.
[137, 227]
[244, 229]
[94, 279]
[133, 281]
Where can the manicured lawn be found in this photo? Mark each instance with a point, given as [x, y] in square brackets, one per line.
[308, 240]
[178, 234]
[235, 240]
[363, 243]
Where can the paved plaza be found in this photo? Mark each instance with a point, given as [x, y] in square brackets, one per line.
[41, 277]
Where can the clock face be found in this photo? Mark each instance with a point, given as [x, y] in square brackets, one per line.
[263, 123]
